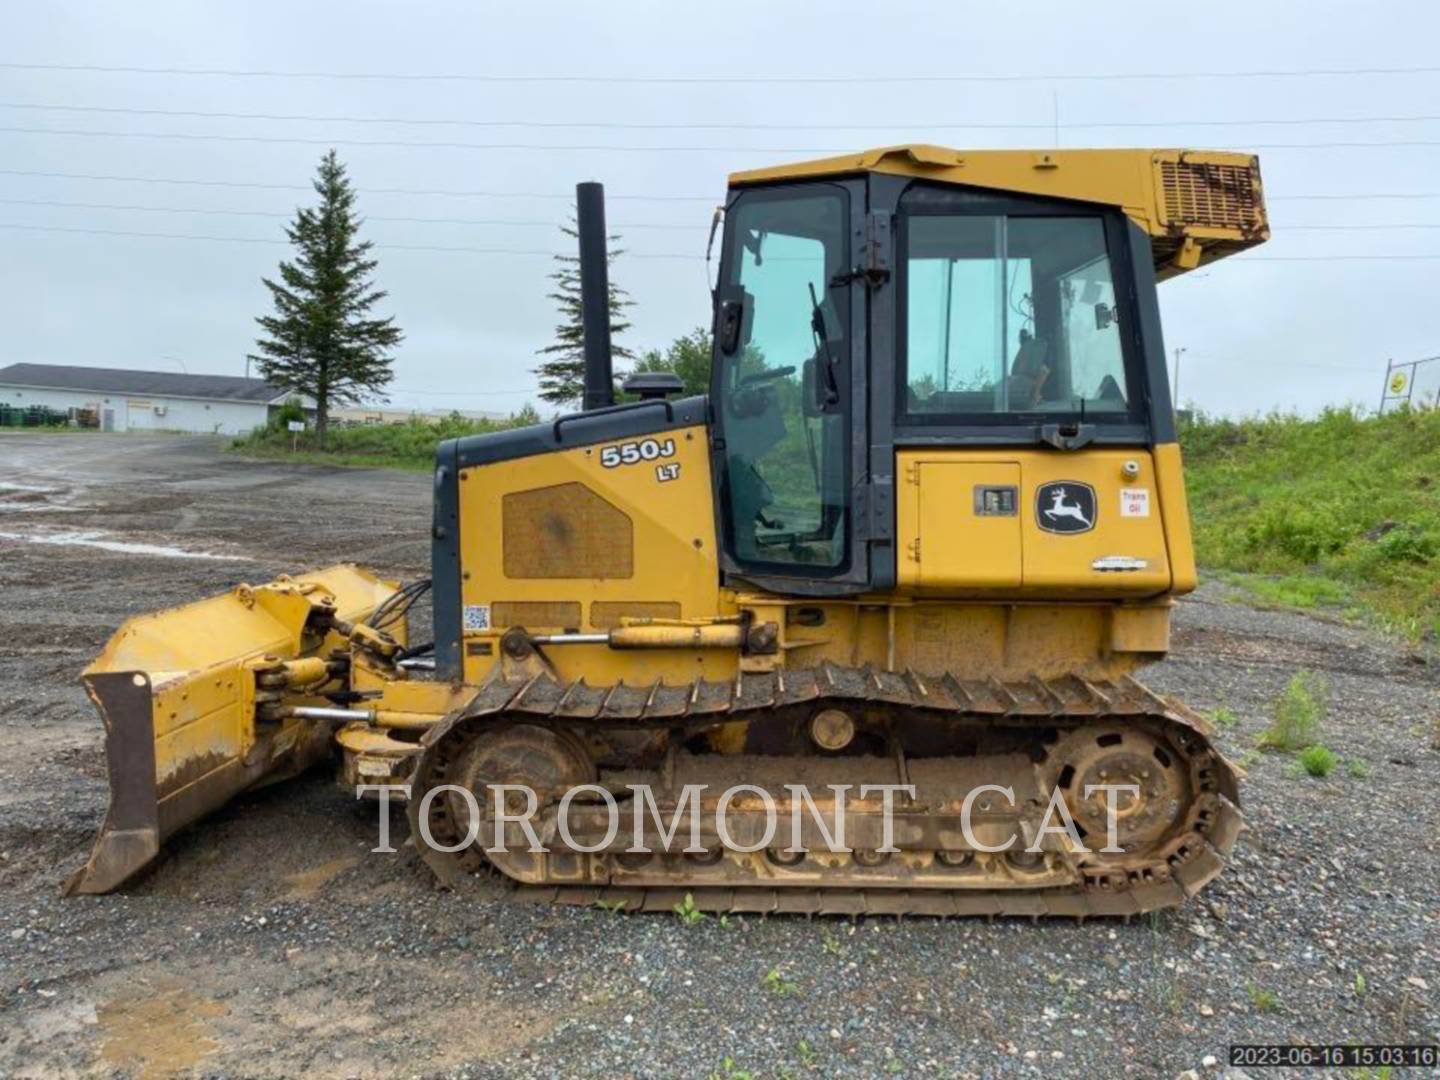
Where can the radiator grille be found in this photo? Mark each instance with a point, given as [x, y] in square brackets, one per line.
[1217, 196]
[565, 531]
[562, 614]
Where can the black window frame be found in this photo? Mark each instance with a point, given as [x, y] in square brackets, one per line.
[922, 200]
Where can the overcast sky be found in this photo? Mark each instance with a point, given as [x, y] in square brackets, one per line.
[1260, 330]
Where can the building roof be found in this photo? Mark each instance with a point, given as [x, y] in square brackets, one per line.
[148, 383]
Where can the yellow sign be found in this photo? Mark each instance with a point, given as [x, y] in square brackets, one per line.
[1397, 383]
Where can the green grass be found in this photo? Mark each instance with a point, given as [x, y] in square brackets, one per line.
[395, 446]
[1299, 711]
[777, 984]
[1319, 760]
[687, 912]
[1341, 511]
[1224, 717]
[1263, 1000]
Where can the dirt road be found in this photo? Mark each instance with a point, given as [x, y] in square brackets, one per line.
[271, 942]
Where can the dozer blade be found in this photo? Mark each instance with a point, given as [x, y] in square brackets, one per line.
[177, 694]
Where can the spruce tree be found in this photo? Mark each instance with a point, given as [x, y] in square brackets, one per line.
[321, 341]
[562, 367]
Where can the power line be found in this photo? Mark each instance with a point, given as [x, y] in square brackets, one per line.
[1339, 228]
[549, 224]
[570, 197]
[1358, 196]
[1383, 257]
[1397, 257]
[584, 148]
[1368, 195]
[267, 240]
[295, 140]
[650, 80]
[697, 226]
[1287, 363]
[707, 126]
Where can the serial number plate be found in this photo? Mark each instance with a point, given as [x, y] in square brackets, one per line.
[1337, 1056]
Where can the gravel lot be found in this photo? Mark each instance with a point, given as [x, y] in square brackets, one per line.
[270, 942]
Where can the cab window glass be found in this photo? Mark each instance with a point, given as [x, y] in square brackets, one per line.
[778, 390]
[1010, 315]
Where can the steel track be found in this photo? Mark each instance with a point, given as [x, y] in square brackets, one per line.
[1185, 865]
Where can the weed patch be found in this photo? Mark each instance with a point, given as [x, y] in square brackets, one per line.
[1263, 1000]
[1319, 760]
[1298, 714]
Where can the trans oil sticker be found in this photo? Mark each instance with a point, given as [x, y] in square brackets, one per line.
[1134, 502]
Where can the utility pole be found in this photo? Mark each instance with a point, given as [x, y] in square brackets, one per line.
[1175, 382]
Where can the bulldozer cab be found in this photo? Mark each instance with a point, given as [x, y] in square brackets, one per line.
[919, 298]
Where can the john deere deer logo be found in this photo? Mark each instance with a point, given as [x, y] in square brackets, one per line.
[1066, 506]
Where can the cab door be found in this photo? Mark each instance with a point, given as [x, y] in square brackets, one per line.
[788, 448]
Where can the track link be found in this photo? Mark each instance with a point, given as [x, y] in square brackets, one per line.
[1182, 866]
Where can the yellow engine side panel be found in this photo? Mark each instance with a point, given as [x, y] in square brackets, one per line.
[1088, 524]
[582, 539]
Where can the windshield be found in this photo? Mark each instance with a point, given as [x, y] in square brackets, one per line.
[778, 384]
[1010, 315]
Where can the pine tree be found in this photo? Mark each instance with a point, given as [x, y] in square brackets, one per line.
[562, 371]
[320, 341]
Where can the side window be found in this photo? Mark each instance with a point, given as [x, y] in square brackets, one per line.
[1009, 315]
[785, 475]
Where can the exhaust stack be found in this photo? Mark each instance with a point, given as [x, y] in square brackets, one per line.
[594, 295]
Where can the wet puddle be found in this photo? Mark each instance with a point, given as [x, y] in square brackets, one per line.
[306, 884]
[7, 485]
[96, 539]
[17, 498]
[157, 1036]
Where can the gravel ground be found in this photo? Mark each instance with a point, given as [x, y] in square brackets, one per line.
[270, 942]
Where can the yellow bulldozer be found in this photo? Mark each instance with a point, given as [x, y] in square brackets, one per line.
[915, 540]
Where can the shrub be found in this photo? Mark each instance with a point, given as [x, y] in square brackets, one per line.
[1408, 544]
[1298, 712]
[1319, 760]
[1304, 535]
[292, 410]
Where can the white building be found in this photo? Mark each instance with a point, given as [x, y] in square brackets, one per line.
[124, 400]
